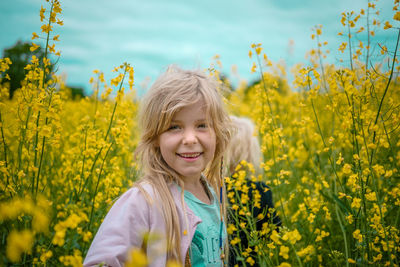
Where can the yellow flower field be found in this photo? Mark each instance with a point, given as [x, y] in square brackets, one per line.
[330, 141]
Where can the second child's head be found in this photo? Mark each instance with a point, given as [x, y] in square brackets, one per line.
[244, 145]
[185, 129]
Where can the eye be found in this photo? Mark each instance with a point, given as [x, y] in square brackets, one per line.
[173, 127]
[202, 125]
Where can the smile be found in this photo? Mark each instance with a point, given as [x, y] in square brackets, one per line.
[189, 155]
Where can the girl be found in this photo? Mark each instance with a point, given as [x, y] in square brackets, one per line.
[244, 145]
[185, 131]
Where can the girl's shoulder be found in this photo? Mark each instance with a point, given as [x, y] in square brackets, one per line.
[144, 191]
[140, 191]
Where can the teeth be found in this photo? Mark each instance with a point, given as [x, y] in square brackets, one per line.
[191, 155]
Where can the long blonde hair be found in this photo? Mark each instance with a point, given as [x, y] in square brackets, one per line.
[172, 91]
[244, 145]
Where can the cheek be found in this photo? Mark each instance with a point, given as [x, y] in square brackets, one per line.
[167, 144]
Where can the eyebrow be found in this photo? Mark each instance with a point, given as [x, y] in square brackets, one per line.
[199, 120]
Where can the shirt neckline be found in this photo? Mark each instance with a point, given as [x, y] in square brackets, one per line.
[188, 195]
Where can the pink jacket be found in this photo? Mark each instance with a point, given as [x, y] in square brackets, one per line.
[129, 218]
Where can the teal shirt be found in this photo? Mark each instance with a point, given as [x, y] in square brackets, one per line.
[205, 250]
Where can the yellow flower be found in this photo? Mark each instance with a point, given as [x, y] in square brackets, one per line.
[57, 7]
[250, 261]
[371, 145]
[40, 221]
[378, 169]
[72, 260]
[46, 62]
[306, 251]
[346, 169]
[45, 256]
[292, 236]
[351, 261]
[397, 16]
[137, 258]
[357, 235]
[33, 47]
[172, 263]
[340, 159]
[388, 173]
[46, 28]
[320, 235]
[254, 67]
[284, 252]
[271, 245]
[371, 196]
[311, 217]
[42, 10]
[34, 35]
[34, 60]
[231, 228]
[235, 241]
[18, 243]
[377, 258]
[284, 264]
[87, 236]
[356, 203]
[350, 218]
[387, 25]
[59, 236]
[275, 237]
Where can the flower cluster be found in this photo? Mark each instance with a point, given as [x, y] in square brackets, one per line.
[331, 153]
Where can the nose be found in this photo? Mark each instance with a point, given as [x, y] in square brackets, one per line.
[189, 137]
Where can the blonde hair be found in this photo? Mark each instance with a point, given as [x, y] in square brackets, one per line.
[244, 145]
[172, 91]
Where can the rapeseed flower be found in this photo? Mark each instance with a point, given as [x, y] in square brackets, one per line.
[330, 153]
[357, 235]
[137, 258]
[19, 243]
[284, 252]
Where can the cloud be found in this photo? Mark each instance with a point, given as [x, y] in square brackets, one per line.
[101, 34]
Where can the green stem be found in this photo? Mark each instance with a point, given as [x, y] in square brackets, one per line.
[22, 138]
[368, 41]
[97, 186]
[349, 36]
[334, 180]
[297, 256]
[384, 93]
[363, 186]
[5, 147]
[35, 148]
[83, 168]
[105, 138]
[322, 67]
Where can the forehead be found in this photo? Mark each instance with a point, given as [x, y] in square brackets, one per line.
[197, 111]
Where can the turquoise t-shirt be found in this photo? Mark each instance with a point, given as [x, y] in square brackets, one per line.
[205, 250]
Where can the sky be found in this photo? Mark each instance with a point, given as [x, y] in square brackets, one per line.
[152, 34]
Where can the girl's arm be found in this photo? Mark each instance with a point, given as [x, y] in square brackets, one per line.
[122, 229]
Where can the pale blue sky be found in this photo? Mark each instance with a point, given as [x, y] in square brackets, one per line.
[151, 34]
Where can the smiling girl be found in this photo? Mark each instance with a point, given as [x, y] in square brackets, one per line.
[179, 197]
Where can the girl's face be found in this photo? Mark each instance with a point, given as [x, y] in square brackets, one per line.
[189, 143]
